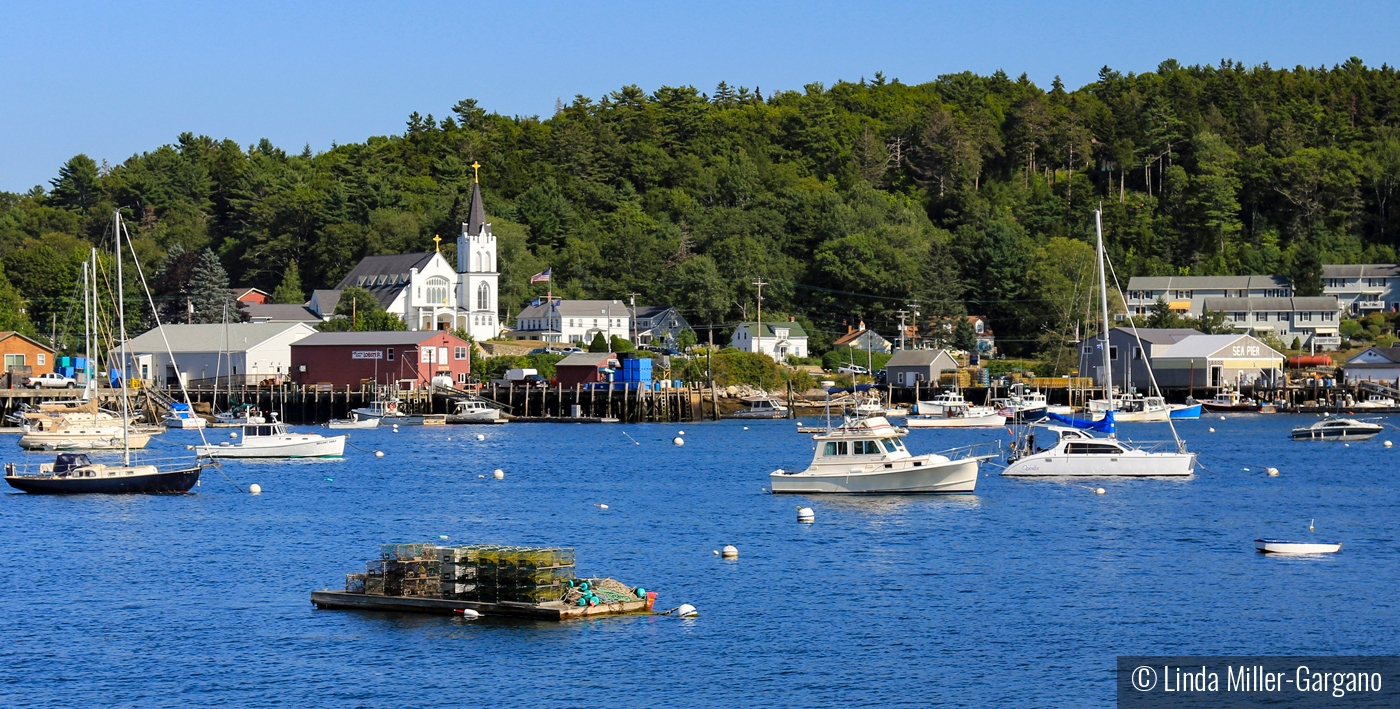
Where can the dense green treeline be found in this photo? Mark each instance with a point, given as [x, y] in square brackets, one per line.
[966, 194]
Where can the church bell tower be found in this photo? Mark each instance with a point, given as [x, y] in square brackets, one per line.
[477, 270]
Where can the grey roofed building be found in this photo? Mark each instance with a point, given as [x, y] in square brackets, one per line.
[207, 337]
[1303, 318]
[576, 321]
[369, 337]
[779, 340]
[1123, 348]
[1217, 361]
[276, 312]
[587, 359]
[385, 276]
[1187, 294]
[659, 324]
[1363, 288]
[1375, 364]
[242, 352]
[323, 303]
[908, 368]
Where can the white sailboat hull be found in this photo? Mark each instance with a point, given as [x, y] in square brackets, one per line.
[290, 446]
[931, 475]
[1135, 464]
[1274, 546]
[184, 423]
[78, 440]
[988, 421]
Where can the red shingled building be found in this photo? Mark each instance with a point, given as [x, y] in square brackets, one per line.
[346, 358]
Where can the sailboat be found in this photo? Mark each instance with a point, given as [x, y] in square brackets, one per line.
[76, 473]
[1078, 452]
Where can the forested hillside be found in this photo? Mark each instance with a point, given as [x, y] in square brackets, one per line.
[964, 194]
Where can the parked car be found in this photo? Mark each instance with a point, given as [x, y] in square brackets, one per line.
[852, 369]
[51, 380]
[534, 380]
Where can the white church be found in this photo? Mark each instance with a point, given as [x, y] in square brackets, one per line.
[425, 290]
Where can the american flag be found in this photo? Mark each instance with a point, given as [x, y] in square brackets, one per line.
[541, 277]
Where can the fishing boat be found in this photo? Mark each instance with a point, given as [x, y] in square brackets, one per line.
[273, 440]
[1133, 408]
[1079, 453]
[1338, 429]
[355, 421]
[964, 417]
[474, 411]
[940, 404]
[1184, 412]
[1023, 405]
[1279, 546]
[760, 407]
[182, 416]
[1375, 401]
[868, 456]
[1230, 401]
[238, 416]
[75, 473]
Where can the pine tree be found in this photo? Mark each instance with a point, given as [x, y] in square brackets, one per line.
[209, 291]
[77, 184]
[964, 336]
[289, 292]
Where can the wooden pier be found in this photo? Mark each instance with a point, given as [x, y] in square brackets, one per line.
[556, 611]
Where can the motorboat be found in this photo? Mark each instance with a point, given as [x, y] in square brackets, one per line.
[182, 416]
[868, 456]
[1230, 400]
[75, 473]
[380, 408]
[1078, 453]
[1338, 429]
[940, 404]
[355, 421]
[1133, 408]
[1184, 412]
[964, 417]
[240, 415]
[1279, 546]
[76, 434]
[474, 411]
[760, 407]
[1375, 401]
[1023, 405]
[896, 412]
[273, 440]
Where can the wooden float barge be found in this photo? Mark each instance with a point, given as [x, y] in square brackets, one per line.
[556, 610]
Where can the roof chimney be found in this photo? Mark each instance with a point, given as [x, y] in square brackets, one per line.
[792, 318]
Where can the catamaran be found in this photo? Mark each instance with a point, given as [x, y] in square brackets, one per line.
[1078, 452]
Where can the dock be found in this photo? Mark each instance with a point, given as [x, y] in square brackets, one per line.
[555, 611]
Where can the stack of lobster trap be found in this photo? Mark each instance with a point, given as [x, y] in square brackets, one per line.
[484, 573]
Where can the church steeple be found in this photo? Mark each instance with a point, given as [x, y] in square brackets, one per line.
[476, 216]
[472, 230]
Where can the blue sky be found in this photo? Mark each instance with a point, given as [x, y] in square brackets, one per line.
[113, 79]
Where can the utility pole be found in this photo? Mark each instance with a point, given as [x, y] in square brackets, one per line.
[901, 314]
[632, 330]
[760, 283]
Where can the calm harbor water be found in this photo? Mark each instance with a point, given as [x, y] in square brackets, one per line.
[1020, 595]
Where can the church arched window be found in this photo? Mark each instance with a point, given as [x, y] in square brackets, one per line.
[483, 297]
[437, 290]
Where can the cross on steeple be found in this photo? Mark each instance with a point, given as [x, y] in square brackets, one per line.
[437, 243]
[476, 171]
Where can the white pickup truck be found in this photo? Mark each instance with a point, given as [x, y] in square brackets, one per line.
[51, 380]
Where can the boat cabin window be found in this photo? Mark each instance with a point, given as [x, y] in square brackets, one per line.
[889, 445]
[866, 448]
[257, 430]
[1084, 448]
[836, 448]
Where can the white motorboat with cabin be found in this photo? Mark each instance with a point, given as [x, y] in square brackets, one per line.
[1374, 401]
[355, 421]
[72, 434]
[1078, 452]
[182, 416]
[760, 407]
[239, 416]
[1133, 408]
[964, 417]
[273, 440]
[868, 456]
[474, 411]
[940, 404]
[1338, 429]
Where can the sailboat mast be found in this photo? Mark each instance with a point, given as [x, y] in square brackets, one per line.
[121, 333]
[1103, 296]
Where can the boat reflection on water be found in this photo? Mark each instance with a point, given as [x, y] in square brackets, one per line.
[897, 503]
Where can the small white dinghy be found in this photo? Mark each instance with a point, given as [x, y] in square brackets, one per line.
[1276, 546]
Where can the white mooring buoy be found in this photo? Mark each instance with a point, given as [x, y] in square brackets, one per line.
[1387, 444]
[1222, 418]
[1273, 472]
[805, 514]
[729, 552]
[379, 454]
[680, 433]
[1100, 491]
[498, 474]
[233, 434]
[602, 505]
[469, 613]
[1212, 430]
[746, 428]
[687, 611]
[678, 441]
[480, 436]
[255, 488]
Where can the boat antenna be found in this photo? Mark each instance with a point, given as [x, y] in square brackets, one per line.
[121, 334]
[1151, 375]
[1103, 337]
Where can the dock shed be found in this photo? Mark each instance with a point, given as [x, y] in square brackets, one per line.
[908, 368]
[1217, 361]
[347, 358]
[1374, 364]
[234, 354]
[585, 368]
